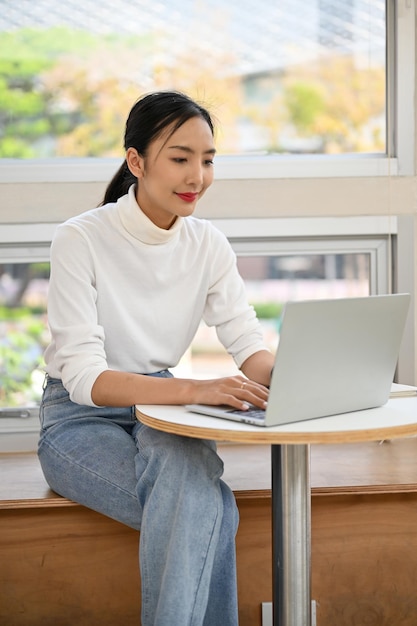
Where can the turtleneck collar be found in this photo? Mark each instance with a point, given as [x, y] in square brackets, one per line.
[139, 225]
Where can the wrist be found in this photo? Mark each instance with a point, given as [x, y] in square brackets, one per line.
[187, 390]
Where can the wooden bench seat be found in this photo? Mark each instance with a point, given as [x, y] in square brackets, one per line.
[62, 564]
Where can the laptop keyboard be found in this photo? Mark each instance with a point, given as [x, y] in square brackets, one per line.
[256, 414]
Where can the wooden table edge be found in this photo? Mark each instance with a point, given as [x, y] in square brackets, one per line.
[270, 436]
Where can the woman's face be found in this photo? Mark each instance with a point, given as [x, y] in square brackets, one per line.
[175, 173]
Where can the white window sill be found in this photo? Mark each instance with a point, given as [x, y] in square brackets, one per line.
[226, 168]
[19, 434]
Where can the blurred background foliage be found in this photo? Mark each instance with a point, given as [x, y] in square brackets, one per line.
[66, 92]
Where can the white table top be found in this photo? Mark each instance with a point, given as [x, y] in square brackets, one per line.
[397, 418]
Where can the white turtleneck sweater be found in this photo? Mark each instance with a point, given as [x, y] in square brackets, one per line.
[129, 296]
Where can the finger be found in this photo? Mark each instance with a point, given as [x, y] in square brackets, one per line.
[251, 385]
[261, 403]
[249, 397]
[243, 404]
[250, 390]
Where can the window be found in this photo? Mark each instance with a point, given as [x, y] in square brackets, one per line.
[23, 332]
[287, 77]
[385, 28]
[24, 273]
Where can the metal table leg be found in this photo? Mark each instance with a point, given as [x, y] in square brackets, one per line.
[291, 535]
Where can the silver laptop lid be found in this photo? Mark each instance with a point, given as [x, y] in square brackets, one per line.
[336, 356]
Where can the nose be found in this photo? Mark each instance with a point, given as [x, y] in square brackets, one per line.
[195, 174]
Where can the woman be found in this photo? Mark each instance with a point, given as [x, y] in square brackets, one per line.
[130, 282]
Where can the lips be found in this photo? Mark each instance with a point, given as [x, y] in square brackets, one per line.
[187, 197]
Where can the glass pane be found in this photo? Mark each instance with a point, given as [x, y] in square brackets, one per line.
[23, 332]
[287, 76]
[270, 282]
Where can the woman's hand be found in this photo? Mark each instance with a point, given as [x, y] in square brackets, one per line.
[236, 391]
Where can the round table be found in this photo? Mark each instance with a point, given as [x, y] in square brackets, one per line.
[291, 500]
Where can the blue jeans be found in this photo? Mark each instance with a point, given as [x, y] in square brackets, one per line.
[167, 486]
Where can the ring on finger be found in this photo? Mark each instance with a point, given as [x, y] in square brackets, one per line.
[243, 385]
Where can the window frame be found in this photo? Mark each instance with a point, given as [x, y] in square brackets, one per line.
[399, 160]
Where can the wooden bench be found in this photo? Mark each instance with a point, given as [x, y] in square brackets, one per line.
[62, 564]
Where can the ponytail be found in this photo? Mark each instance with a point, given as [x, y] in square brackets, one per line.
[119, 184]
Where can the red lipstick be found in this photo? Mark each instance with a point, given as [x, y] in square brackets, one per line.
[187, 197]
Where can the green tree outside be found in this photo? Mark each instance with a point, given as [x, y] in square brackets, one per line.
[65, 93]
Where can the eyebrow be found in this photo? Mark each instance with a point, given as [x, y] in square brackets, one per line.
[190, 150]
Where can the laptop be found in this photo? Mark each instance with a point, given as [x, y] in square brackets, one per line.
[334, 356]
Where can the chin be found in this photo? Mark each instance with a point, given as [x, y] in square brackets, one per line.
[188, 210]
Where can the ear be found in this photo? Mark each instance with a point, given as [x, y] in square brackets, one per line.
[135, 162]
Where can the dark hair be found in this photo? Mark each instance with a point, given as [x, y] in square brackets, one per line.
[149, 117]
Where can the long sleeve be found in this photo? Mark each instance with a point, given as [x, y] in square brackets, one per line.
[78, 339]
[227, 307]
